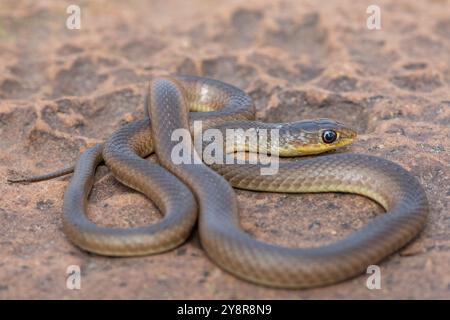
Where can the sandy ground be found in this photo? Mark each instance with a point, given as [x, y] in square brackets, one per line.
[63, 90]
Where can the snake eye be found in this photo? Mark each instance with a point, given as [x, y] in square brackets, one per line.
[329, 136]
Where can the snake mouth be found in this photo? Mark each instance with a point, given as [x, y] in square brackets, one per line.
[345, 140]
[346, 136]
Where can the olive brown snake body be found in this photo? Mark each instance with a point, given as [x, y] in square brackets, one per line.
[192, 190]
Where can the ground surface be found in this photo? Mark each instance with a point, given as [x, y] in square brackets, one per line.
[63, 90]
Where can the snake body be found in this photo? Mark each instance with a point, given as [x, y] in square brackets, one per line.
[189, 188]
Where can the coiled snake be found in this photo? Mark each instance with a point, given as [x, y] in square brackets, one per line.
[186, 191]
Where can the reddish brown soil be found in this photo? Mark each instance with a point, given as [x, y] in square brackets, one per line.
[63, 90]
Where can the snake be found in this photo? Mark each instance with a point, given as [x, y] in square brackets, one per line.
[190, 193]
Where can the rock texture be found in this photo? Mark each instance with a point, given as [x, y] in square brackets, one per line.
[63, 90]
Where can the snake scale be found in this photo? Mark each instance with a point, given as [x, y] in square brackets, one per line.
[188, 192]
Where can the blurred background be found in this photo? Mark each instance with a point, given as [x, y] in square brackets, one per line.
[63, 89]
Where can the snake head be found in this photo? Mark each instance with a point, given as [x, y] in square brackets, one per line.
[313, 137]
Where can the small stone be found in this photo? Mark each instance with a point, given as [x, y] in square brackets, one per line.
[314, 225]
[44, 204]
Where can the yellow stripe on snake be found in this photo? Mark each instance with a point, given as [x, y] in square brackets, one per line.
[189, 191]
